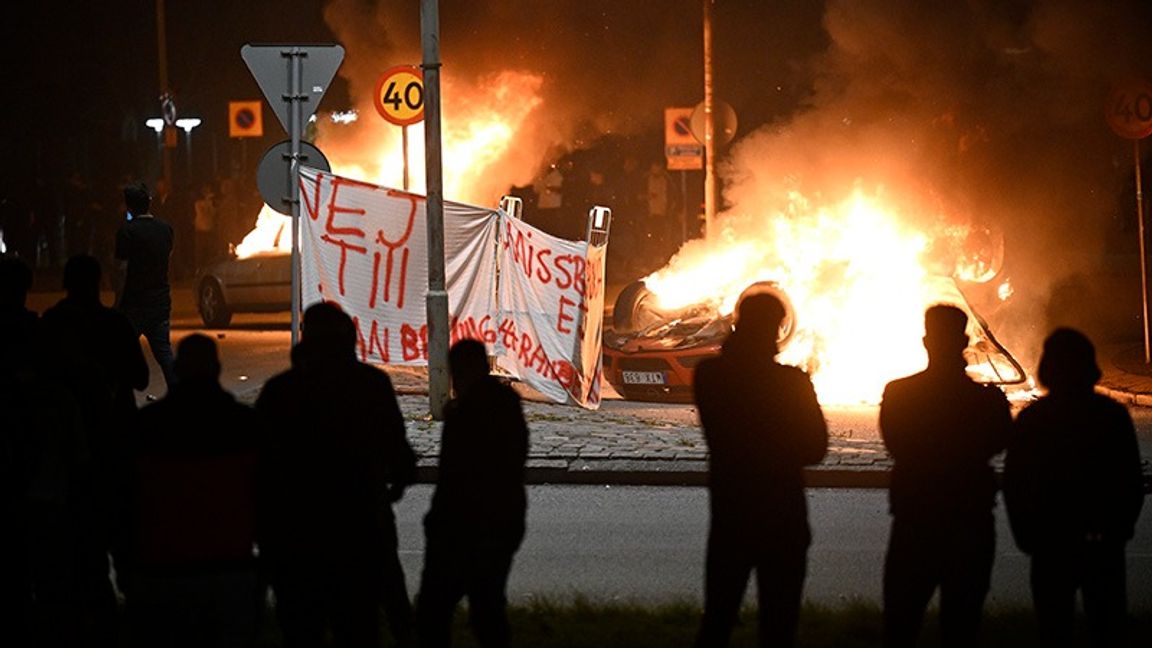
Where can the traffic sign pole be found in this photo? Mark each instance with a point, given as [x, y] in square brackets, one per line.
[1129, 115]
[404, 143]
[399, 99]
[266, 63]
[295, 128]
[1143, 256]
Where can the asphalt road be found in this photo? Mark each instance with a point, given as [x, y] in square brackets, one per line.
[647, 544]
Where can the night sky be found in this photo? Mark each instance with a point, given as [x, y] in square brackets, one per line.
[82, 76]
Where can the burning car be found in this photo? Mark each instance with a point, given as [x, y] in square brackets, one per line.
[855, 282]
[650, 354]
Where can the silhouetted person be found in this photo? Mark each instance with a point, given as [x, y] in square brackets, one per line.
[189, 572]
[93, 353]
[96, 344]
[1073, 488]
[144, 247]
[17, 323]
[18, 327]
[476, 521]
[941, 429]
[336, 460]
[763, 425]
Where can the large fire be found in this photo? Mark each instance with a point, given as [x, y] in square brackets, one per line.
[479, 129]
[859, 279]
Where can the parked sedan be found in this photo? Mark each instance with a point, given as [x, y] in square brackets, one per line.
[257, 284]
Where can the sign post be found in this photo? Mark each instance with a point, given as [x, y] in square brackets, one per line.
[399, 99]
[306, 84]
[1129, 113]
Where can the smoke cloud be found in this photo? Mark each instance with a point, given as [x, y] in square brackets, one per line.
[982, 113]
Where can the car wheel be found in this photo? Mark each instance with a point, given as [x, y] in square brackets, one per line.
[213, 309]
[628, 305]
[788, 326]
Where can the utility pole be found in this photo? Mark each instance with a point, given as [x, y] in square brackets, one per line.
[709, 127]
[437, 300]
[162, 58]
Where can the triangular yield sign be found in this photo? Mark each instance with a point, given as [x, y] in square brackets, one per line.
[271, 66]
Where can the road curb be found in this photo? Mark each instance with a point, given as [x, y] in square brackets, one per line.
[1125, 397]
[659, 473]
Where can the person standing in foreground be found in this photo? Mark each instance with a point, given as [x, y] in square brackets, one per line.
[91, 354]
[186, 563]
[1072, 485]
[763, 425]
[476, 521]
[336, 460]
[144, 247]
[941, 429]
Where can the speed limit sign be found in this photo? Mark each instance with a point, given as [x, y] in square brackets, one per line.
[399, 95]
[1130, 110]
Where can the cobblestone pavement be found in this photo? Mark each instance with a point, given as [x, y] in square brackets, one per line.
[632, 443]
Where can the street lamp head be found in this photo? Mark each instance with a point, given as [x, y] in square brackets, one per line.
[156, 124]
[188, 123]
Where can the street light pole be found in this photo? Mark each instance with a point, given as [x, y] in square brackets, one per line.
[437, 300]
[709, 126]
[162, 59]
[187, 125]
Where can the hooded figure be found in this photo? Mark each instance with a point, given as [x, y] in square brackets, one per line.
[1073, 488]
[763, 425]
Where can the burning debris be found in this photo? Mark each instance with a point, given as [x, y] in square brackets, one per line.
[857, 280]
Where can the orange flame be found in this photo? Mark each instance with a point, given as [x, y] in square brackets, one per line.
[857, 276]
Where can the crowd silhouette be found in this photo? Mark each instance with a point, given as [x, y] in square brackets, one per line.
[192, 506]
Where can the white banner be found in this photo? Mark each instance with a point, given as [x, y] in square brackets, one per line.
[552, 308]
[537, 301]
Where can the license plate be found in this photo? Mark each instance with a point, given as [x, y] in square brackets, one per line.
[644, 378]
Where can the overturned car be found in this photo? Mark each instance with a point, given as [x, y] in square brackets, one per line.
[651, 353]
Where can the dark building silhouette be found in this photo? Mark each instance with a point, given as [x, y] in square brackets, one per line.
[941, 429]
[763, 425]
[476, 521]
[1073, 488]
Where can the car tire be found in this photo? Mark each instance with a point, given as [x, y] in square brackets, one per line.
[627, 306]
[213, 308]
[788, 326]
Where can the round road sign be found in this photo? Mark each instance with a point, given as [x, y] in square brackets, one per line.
[1129, 110]
[272, 174]
[725, 124]
[399, 95]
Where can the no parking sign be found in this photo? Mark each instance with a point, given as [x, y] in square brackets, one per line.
[245, 119]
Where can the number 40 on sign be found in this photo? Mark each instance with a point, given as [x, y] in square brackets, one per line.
[399, 95]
